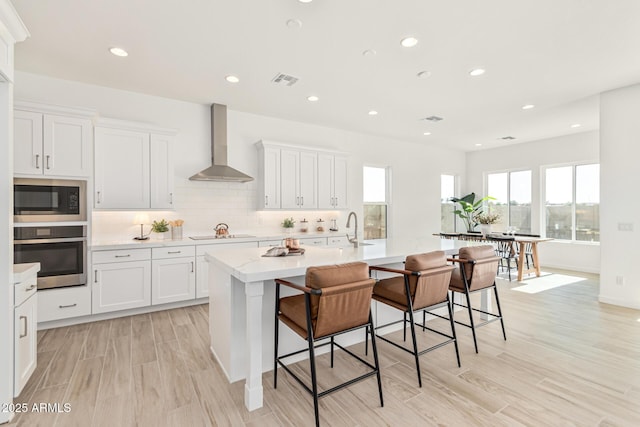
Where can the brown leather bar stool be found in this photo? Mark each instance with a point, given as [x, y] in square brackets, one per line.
[335, 299]
[477, 272]
[422, 286]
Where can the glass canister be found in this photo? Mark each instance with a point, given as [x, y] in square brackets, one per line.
[320, 226]
[304, 225]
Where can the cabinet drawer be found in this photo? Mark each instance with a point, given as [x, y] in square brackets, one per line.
[267, 243]
[173, 252]
[338, 241]
[101, 257]
[54, 304]
[24, 290]
[314, 241]
[203, 249]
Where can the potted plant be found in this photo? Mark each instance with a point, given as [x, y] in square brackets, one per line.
[485, 220]
[288, 224]
[469, 208]
[162, 228]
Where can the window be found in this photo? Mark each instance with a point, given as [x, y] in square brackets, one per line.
[572, 202]
[447, 191]
[512, 193]
[375, 198]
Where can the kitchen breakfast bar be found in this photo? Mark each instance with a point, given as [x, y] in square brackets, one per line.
[242, 300]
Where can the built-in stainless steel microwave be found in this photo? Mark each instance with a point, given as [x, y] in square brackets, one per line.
[49, 200]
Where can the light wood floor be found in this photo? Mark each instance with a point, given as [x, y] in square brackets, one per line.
[568, 360]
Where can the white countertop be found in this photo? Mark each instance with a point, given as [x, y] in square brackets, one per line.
[22, 271]
[103, 245]
[248, 265]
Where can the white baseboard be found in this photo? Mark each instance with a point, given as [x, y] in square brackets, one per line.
[619, 302]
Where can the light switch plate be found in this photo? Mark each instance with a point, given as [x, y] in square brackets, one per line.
[625, 226]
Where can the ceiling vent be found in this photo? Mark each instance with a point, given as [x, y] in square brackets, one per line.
[433, 118]
[284, 79]
[508, 138]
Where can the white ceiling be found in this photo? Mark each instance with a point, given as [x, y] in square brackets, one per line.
[556, 54]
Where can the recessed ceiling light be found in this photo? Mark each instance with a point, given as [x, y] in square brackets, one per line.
[232, 79]
[312, 98]
[373, 113]
[424, 74]
[369, 52]
[305, 1]
[476, 72]
[409, 42]
[528, 107]
[117, 51]
[576, 125]
[478, 145]
[294, 23]
[427, 133]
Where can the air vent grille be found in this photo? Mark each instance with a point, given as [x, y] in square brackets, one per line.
[284, 79]
[508, 138]
[433, 118]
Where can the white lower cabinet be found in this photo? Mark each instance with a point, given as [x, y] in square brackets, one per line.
[25, 342]
[121, 285]
[313, 241]
[63, 303]
[202, 277]
[173, 279]
[338, 241]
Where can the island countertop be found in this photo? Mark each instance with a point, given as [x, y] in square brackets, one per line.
[248, 264]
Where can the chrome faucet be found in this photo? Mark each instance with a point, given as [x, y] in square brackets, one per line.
[355, 235]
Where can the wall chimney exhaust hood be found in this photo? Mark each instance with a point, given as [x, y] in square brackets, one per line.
[219, 170]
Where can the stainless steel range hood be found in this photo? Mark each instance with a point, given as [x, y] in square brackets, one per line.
[219, 170]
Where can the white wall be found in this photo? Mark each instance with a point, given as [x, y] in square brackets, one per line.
[579, 147]
[415, 168]
[619, 175]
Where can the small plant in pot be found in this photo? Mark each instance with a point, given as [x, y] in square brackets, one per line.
[161, 227]
[469, 208]
[288, 224]
[486, 220]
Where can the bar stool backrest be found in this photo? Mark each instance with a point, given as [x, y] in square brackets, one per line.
[432, 285]
[482, 273]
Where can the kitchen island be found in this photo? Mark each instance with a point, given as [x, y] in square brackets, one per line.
[242, 298]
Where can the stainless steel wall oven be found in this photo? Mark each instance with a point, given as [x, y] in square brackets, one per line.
[60, 250]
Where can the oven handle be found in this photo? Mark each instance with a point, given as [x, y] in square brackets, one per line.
[61, 240]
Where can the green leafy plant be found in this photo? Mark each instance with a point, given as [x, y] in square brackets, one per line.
[288, 223]
[160, 226]
[469, 209]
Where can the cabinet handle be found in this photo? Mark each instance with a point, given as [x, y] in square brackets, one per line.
[98, 198]
[26, 326]
[48, 156]
[298, 201]
[126, 256]
[302, 201]
[335, 199]
[192, 266]
[266, 200]
[30, 288]
[68, 306]
[95, 276]
[37, 161]
[174, 252]
[170, 198]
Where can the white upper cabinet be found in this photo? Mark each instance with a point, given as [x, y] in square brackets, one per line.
[133, 167]
[298, 178]
[332, 181]
[52, 144]
[298, 174]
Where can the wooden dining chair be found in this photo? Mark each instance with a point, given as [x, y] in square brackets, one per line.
[334, 300]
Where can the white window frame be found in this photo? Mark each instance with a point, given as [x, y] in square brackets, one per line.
[509, 172]
[387, 195]
[456, 193]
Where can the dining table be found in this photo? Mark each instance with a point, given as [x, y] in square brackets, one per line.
[518, 243]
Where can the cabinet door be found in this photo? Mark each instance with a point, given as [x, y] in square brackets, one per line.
[340, 183]
[289, 173]
[67, 146]
[271, 175]
[27, 147]
[122, 285]
[25, 348]
[307, 187]
[325, 181]
[121, 169]
[161, 153]
[173, 280]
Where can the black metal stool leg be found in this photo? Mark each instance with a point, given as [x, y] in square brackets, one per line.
[453, 330]
[495, 289]
[375, 358]
[415, 347]
[332, 338]
[473, 327]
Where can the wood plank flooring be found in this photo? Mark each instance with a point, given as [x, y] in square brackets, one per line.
[568, 360]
